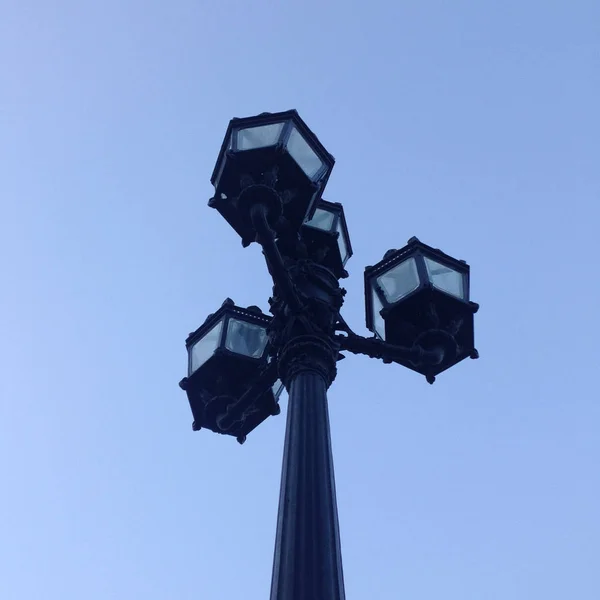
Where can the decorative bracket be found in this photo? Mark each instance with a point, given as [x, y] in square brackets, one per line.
[388, 353]
[266, 238]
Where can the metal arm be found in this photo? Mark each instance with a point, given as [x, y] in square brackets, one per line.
[376, 348]
[266, 238]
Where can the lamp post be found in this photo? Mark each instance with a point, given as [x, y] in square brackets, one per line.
[269, 180]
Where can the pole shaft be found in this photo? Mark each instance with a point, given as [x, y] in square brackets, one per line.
[308, 559]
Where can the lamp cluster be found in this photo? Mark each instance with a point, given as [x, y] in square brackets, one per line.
[269, 180]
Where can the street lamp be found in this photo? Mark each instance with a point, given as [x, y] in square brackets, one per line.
[269, 179]
[274, 156]
[327, 238]
[419, 297]
[228, 362]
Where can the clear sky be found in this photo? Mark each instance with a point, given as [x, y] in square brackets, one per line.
[471, 124]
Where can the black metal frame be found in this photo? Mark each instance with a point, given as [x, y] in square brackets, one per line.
[225, 313]
[240, 414]
[316, 236]
[289, 118]
[449, 332]
[307, 334]
[269, 173]
[337, 210]
[418, 250]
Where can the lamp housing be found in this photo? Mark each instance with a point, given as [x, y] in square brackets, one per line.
[226, 355]
[419, 295]
[273, 158]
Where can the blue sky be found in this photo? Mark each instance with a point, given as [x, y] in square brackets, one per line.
[473, 125]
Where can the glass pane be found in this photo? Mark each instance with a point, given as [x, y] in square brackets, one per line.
[378, 322]
[342, 243]
[259, 137]
[246, 338]
[400, 280]
[444, 278]
[303, 154]
[277, 388]
[220, 171]
[323, 219]
[204, 348]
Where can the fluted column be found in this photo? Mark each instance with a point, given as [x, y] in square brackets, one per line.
[308, 560]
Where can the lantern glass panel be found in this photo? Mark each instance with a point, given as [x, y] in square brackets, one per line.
[446, 279]
[259, 137]
[378, 322]
[204, 348]
[322, 219]
[400, 280]
[277, 388]
[303, 154]
[342, 242]
[245, 338]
